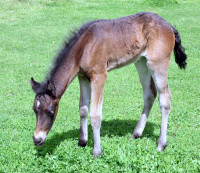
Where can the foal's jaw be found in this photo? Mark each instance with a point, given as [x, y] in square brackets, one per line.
[39, 138]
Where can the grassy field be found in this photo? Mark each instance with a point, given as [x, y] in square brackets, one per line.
[31, 32]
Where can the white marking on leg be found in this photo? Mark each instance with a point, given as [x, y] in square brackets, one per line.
[84, 104]
[148, 96]
[84, 122]
[165, 106]
[83, 111]
[161, 83]
[97, 85]
[96, 118]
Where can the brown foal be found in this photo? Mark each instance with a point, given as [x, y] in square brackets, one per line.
[144, 39]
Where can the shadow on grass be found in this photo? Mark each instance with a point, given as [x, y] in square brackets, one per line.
[110, 129]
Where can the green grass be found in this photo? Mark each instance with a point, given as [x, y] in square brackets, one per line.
[31, 32]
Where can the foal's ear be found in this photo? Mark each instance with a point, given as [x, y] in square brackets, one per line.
[35, 85]
[51, 89]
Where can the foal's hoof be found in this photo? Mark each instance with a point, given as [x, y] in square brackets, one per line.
[82, 143]
[97, 154]
[135, 135]
[161, 147]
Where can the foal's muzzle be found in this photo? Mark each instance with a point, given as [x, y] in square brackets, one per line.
[38, 141]
[39, 138]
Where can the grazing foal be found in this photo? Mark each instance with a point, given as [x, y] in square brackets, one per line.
[144, 39]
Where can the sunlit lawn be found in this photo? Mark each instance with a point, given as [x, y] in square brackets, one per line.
[31, 33]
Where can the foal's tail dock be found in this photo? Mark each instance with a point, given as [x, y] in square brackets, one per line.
[179, 50]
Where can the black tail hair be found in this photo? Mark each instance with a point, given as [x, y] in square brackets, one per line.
[179, 50]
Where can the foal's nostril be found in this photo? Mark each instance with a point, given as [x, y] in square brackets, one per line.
[37, 141]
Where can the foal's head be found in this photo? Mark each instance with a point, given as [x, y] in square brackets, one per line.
[45, 107]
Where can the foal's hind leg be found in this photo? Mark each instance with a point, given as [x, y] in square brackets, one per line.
[84, 105]
[159, 71]
[149, 95]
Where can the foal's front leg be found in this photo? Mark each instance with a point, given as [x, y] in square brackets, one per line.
[84, 105]
[97, 86]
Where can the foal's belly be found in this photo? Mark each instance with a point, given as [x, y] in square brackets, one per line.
[122, 61]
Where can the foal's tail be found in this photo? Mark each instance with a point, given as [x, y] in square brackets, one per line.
[179, 50]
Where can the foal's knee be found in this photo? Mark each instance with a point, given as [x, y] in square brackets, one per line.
[96, 120]
[83, 111]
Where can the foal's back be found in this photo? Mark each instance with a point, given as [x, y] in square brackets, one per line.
[117, 42]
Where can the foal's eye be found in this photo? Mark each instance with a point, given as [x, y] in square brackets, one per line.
[50, 113]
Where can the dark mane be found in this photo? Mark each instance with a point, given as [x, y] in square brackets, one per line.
[58, 60]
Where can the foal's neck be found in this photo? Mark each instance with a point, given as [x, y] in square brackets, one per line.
[64, 73]
[67, 64]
